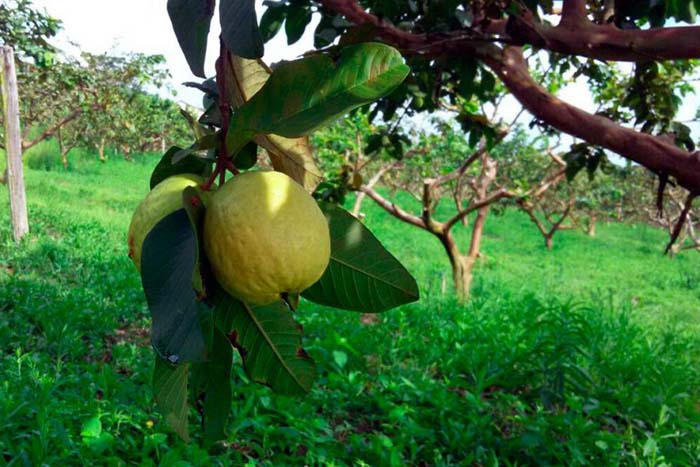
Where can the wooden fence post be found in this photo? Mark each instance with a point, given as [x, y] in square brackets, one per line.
[13, 144]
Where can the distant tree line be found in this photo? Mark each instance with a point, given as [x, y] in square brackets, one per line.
[91, 100]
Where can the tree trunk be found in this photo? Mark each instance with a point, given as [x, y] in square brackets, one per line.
[127, 152]
[478, 232]
[591, 225]
[548, 240]
[101, 150]
[462, 266]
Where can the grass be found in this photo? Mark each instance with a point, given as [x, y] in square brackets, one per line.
[585, 355]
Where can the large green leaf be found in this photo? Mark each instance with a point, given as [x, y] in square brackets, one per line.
[305, 94]
[292, 156]
[269, 342]
[170, 391]
[190, 164]
[167, 269]
[239, 28]
[362, 274]
[217, 395]
[191, 20]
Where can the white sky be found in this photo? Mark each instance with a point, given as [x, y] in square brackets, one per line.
[143, 26]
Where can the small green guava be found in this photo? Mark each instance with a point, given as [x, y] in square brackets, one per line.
[165, 198]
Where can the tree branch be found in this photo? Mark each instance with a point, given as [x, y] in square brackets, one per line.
[53, 129]
[393, 209]
[652, 152]
[573, 12]
[579, 36]
[474, 205]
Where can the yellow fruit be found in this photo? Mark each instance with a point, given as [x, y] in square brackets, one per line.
[165, 198]
[264, 236]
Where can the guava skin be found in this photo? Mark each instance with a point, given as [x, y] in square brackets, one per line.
[264, 235]
[164, 199]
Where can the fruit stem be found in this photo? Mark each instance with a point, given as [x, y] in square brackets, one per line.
[212, 178]
[231, 168]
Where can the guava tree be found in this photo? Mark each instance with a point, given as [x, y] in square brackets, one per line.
[468, 45]
[225, 251]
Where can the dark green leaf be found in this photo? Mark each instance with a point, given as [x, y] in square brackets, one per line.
[168, 262]
[271, 21]
[191, 20]
[208, 141]
[217, 398]
[374, 143]
[362, 274]
[166, 168]
[269, 342]
[301, 96]
[170, 390]
[575, 162]
[295, 25]
[212, 116]
[325, 32]
[239, 28]
[247, 157]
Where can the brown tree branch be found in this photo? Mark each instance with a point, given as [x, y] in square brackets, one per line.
[393, 209]
[579, 36]
[604, 42]
[681, 220]
[53, 129]
[573, 12]
[647, 150]
[474, 205]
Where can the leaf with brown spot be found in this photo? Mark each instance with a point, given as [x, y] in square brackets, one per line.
[271, 341]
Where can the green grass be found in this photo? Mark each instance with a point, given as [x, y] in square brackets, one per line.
[585, 355]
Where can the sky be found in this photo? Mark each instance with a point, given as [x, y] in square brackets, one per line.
[143, 26]
[99, 26]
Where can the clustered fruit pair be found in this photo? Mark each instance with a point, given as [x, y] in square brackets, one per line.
[263, 234]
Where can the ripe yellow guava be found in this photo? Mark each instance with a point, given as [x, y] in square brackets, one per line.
[264, 235]
[163, 199]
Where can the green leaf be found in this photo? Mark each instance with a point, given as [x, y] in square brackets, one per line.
[271, 21]
[92, 428]
[212, 116]
[305, 94]
[362, 274]
[170, 391]
[247, 157]
[295, 25]
[292, 156]
[191, 20]
[168, 263]
[269, 342]
[167, 168]
[239, 28]
[217, 398]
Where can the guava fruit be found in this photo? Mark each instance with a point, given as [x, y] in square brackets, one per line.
[264, 235]
[163, 199]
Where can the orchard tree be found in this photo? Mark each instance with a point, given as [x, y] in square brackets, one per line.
[467, 45]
